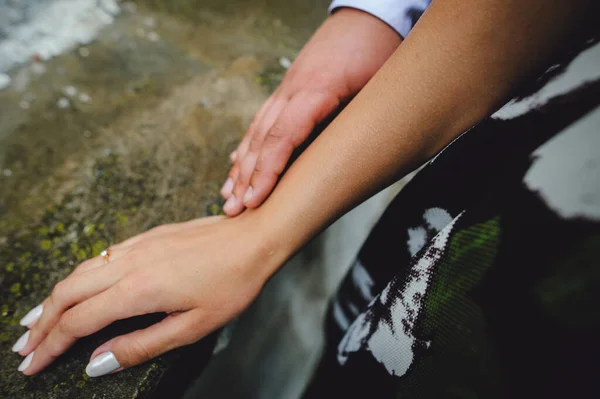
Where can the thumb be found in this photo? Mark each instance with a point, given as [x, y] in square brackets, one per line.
[142, 345]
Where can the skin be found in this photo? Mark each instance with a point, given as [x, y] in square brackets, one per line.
[460, 63]
[340, 58]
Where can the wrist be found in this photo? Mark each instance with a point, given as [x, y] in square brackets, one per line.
[269, 247]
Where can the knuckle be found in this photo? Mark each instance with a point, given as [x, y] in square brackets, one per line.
[255, 143]
[235, 168]
[265, 167]
[132, 256]
[59, 293]
[158, 230]
[82, 266]
[137, 352]
[66, 324]
[54, 349]
[277, 133]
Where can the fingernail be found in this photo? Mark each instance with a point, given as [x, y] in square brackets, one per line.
[233, 156]
[227, 187]
[21, 342]
[26, 362]
[32, 316]
[230, 204]
[102, 364]
[248, 195]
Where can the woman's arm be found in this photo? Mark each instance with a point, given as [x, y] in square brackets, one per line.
[458, 65]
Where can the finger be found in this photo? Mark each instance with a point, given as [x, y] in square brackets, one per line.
[116, 253]
[256, 123]
[142, 345]
[32, 317]
[293, 126]
[125, 299]
[242, 147]
[245, 162]
[66, 293]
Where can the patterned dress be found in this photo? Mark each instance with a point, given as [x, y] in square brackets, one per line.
[482, 278]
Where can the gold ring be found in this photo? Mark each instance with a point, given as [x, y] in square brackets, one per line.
[105, 255]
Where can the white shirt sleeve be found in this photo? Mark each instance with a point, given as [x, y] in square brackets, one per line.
[401, 15]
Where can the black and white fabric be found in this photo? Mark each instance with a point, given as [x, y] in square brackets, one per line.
[482, 278]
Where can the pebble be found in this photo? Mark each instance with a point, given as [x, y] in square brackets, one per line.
[84, 52]
[153, 36]
[4, 81]
[24, 104]
[87, 134]
[150, 22]
[70, 91]
[7, 172]
[85, 98]
[38, 68]
[205, 103]
[285, 62]
[63, 103]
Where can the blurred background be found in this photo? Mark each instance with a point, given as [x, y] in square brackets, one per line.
[119, 116]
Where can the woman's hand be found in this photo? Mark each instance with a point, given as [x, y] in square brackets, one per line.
[334, 65]
[202, 273]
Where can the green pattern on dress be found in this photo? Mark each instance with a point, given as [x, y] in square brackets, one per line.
[460, 352]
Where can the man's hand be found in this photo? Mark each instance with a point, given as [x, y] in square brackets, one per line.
[346, 51]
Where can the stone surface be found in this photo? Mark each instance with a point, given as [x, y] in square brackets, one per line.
[148, 145]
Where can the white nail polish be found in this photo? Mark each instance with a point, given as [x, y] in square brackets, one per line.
[230, 204]
[26, 362]
[248, 195]
[102, 364]
[21, 342]
[32, 316]
[227, 187]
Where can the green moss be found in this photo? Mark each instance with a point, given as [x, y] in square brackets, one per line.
[215, 209]
[80, 384]
[9, 267]
[122, 219]
[60, 228]
[5, 337]
[98, 247]
[16, 289]
[45, 244]
[4, 310]
[81, 255]
[89, 229]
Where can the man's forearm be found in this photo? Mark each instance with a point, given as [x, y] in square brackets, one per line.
[459, 64]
